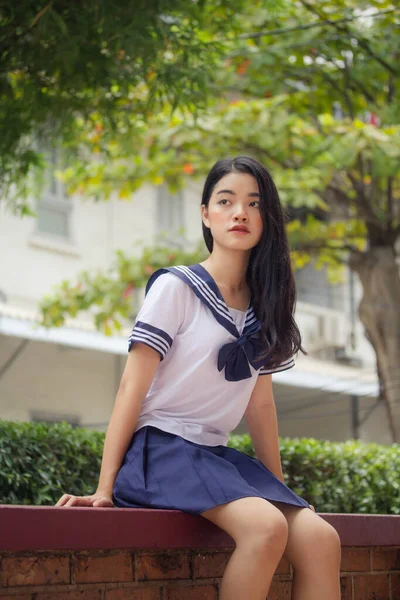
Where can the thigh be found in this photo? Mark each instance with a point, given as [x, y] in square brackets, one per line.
[310, 537]
[246, 517]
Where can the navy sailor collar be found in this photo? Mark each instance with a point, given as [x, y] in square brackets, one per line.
[206, 289]
[234, 357]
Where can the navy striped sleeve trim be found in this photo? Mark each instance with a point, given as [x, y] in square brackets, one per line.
[284, 366]
[156, 338]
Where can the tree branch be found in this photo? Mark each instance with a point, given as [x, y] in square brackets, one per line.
[361, 87]
[362, 42]
[362, 203]
[353, 82]
[321, 23]
[346, 85]
[390, 215]
[341, 91]
[344, 198]
[391, 89]
[41, 13]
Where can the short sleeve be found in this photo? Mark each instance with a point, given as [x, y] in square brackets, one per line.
[283, 366]
[161, 315]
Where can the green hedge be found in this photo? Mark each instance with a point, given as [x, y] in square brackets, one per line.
[39, 462]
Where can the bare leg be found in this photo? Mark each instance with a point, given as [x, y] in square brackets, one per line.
[313, 549]
[260, 532]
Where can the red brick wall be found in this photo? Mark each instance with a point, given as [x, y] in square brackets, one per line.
[367, 574]
[52, 553]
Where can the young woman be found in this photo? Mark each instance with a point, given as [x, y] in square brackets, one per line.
[201, 354]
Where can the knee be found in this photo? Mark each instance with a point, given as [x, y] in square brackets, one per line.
[324, 542]
[271, 533]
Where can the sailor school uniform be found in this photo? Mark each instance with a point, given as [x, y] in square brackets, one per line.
[211, 357]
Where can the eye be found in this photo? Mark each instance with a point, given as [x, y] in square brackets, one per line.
[255, 202]
[223, 201]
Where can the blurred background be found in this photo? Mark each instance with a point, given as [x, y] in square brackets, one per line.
[111, 114]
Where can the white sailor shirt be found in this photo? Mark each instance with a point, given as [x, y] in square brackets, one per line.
[208, 366]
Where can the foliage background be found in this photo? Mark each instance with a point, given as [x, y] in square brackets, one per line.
[39, 462]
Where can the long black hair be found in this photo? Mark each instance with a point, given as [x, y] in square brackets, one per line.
[269, 273]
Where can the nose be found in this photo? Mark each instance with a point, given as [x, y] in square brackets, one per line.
[240, 215]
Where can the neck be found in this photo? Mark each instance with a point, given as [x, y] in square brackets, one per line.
[228, 268]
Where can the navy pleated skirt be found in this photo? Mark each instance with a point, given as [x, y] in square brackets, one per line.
[163, 470]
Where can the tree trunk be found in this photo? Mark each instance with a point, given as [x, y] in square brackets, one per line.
[379, 311]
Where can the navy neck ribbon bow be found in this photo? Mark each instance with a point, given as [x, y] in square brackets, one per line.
[236, 356]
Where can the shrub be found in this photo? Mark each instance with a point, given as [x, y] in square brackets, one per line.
[40, 461]
[339, 477]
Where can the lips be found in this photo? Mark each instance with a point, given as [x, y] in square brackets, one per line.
[241, 228]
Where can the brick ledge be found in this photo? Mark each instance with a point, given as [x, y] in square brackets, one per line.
[26, 528]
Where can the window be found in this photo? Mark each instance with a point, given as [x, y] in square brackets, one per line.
[54, 207]
[170, 216]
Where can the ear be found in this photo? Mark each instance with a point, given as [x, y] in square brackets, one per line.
[204, 215]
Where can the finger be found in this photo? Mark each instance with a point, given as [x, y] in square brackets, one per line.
[103, 502]
[79, 501]
[63, 500]
[71, 501]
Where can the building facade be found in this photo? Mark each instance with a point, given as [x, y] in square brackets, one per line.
[72, 373]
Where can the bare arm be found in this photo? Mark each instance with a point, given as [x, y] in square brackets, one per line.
[136, 380]
[262, 422]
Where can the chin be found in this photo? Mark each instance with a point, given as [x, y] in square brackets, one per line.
[240, 245]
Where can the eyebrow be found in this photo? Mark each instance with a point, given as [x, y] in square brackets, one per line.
[253, 194]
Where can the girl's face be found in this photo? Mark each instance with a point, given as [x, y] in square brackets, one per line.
[234, 203]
